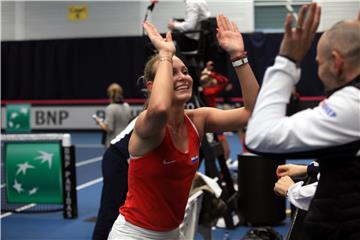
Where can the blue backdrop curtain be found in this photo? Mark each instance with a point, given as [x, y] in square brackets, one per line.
[83, 68]
[262, 49]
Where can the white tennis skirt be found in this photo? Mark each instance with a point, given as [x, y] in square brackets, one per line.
[123, 230]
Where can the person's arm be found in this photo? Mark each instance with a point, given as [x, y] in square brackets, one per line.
[221, 79]
[294, 170]
[109, 122]
[216, 120]
[152, 122]
[301, 196]
[269, 131]
[190, 20]
[231, 41]
[268, 117]
[102, 125]
[291, 170]
[106, 125]
[220, 84]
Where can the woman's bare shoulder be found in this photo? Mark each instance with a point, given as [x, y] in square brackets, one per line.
[197, 116]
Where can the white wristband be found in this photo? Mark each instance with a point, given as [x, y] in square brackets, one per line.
[240, 62]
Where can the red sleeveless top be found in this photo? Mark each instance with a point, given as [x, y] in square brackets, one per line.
[159, 183]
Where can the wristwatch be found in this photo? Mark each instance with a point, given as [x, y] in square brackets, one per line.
[240, 62]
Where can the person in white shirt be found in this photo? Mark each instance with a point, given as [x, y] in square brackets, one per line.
[299, 195]
[330, 132]
[195, 12]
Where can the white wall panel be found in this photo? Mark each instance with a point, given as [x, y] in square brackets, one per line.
[241, 12]
[7, 20]
[334, 11]
[48, 19]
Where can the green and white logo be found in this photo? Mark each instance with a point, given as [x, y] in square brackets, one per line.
[33, 173]
[18, 118]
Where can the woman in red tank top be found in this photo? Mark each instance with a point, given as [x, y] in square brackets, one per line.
[165, 142]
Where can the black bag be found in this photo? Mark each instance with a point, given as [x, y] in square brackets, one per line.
[262, 233]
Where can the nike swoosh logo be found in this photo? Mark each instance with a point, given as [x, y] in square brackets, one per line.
[165, 162]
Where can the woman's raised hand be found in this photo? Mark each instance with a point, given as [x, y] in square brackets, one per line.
[165, 46]
[229, 37]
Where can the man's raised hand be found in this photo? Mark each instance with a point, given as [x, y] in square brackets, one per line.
[297, 41]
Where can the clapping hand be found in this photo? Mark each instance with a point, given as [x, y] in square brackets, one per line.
[282, 186]
[229, 37]
[290, 170]
[297, 41]
[165, 46]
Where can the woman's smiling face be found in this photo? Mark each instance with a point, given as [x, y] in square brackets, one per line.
[182, 81]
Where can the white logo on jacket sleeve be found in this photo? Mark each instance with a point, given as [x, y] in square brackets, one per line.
[327, 109]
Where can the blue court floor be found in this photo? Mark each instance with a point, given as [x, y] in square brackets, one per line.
[52, 226]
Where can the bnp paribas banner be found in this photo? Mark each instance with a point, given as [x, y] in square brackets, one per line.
[33, 173]
[24, 118]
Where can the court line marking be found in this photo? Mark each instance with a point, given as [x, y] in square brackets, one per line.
[20, 209]
[90, 183]
[89, 146]
[5, 215]
[88, 161]
[79, 164]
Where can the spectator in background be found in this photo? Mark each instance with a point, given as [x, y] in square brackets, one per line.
[212, 83]
[117, 114]
[195, 12]
[330, 132]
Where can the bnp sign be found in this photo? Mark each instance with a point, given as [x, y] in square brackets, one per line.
[18, 118]
[33, 172]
